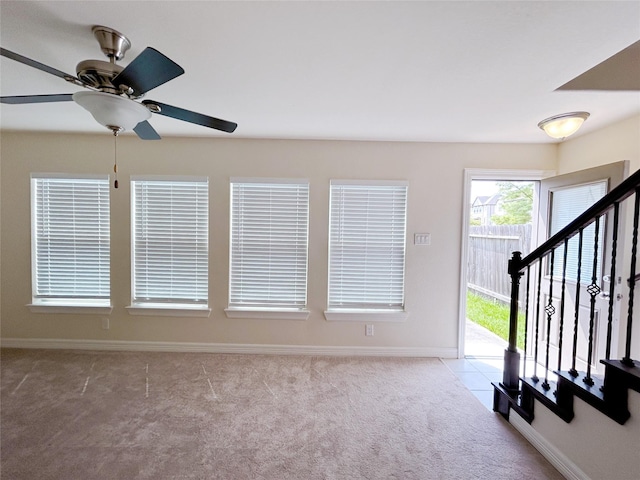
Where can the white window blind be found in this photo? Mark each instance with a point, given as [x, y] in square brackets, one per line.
[170, 223]
[566, 205]
[269, 243]
[70, 239]
[367, 237]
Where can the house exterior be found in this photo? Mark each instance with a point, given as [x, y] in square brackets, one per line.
[484, 207]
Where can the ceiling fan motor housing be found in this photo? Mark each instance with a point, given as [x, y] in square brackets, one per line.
[98, 74]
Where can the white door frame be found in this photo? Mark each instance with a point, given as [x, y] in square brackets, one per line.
[471, 174]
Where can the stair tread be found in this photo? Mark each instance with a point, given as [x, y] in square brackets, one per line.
[547, 397]
[630, 374]
[582, 389]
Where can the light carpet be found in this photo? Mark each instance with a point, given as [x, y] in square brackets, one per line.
[125, 415]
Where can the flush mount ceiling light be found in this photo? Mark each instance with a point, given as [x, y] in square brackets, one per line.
[563, 125]
[114, 112]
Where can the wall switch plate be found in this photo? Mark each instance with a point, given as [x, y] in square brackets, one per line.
[422, 239]
[368, 331]
[105, 323]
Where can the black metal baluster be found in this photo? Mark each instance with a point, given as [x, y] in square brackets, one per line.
[612, 277]
[549, 310]
[505, 398]
[574, 354]
[593, 289]
[632, 280]
[535, 377]
[526, 322]
[562, 295]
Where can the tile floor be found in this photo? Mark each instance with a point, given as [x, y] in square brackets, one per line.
[477, 373]
[483, 363]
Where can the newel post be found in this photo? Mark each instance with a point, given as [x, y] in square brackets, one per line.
[511, 375]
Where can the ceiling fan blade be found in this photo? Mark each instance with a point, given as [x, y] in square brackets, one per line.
[145, 131]
[19, 99]
[191, 117]
[40, 66]
[148, 70]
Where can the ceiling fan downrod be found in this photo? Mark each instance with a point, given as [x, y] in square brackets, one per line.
[112, 43]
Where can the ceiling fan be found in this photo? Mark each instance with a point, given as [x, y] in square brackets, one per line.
[114, 90]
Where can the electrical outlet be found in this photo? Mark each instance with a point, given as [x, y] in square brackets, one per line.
[105, 323]
[368, 330]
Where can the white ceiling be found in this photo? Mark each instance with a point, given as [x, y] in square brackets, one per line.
[402, 71]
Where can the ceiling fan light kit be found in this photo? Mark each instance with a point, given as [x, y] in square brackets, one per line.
[112, 111]
[114, 89]
[562, 125]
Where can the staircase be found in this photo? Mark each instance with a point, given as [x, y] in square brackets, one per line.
[534, 374]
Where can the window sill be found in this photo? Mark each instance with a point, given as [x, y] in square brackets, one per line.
[161, 310]
[80, 308]
[365, 315]
[268, 313]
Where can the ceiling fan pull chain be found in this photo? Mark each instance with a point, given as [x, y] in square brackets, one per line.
[115, 158]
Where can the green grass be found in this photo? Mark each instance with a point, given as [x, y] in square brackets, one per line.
[493, 316]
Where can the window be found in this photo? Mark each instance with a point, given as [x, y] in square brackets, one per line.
[367, 236]
[170, 243]
[566, 205]
[70, 241]
[268, 248]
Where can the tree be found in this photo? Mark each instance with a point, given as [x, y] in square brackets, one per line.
[516, 201]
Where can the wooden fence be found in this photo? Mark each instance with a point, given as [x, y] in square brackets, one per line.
[490, 248]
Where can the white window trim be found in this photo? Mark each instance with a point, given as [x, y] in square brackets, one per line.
[84, 306]
[266, 312]
[365, 315]
[169, 310]
[368, 314]
[372, 183]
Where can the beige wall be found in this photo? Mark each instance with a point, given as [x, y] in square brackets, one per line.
[596, 444]
[620, 141]
[600, 447]
[435, 173]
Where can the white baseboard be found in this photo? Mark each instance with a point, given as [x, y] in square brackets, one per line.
[134, 346]
[549, 451]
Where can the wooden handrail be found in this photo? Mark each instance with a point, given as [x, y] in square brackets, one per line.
[619, 193]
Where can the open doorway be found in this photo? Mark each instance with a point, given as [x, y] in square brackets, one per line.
[500, 216]
[555, 202]
[501, 221]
